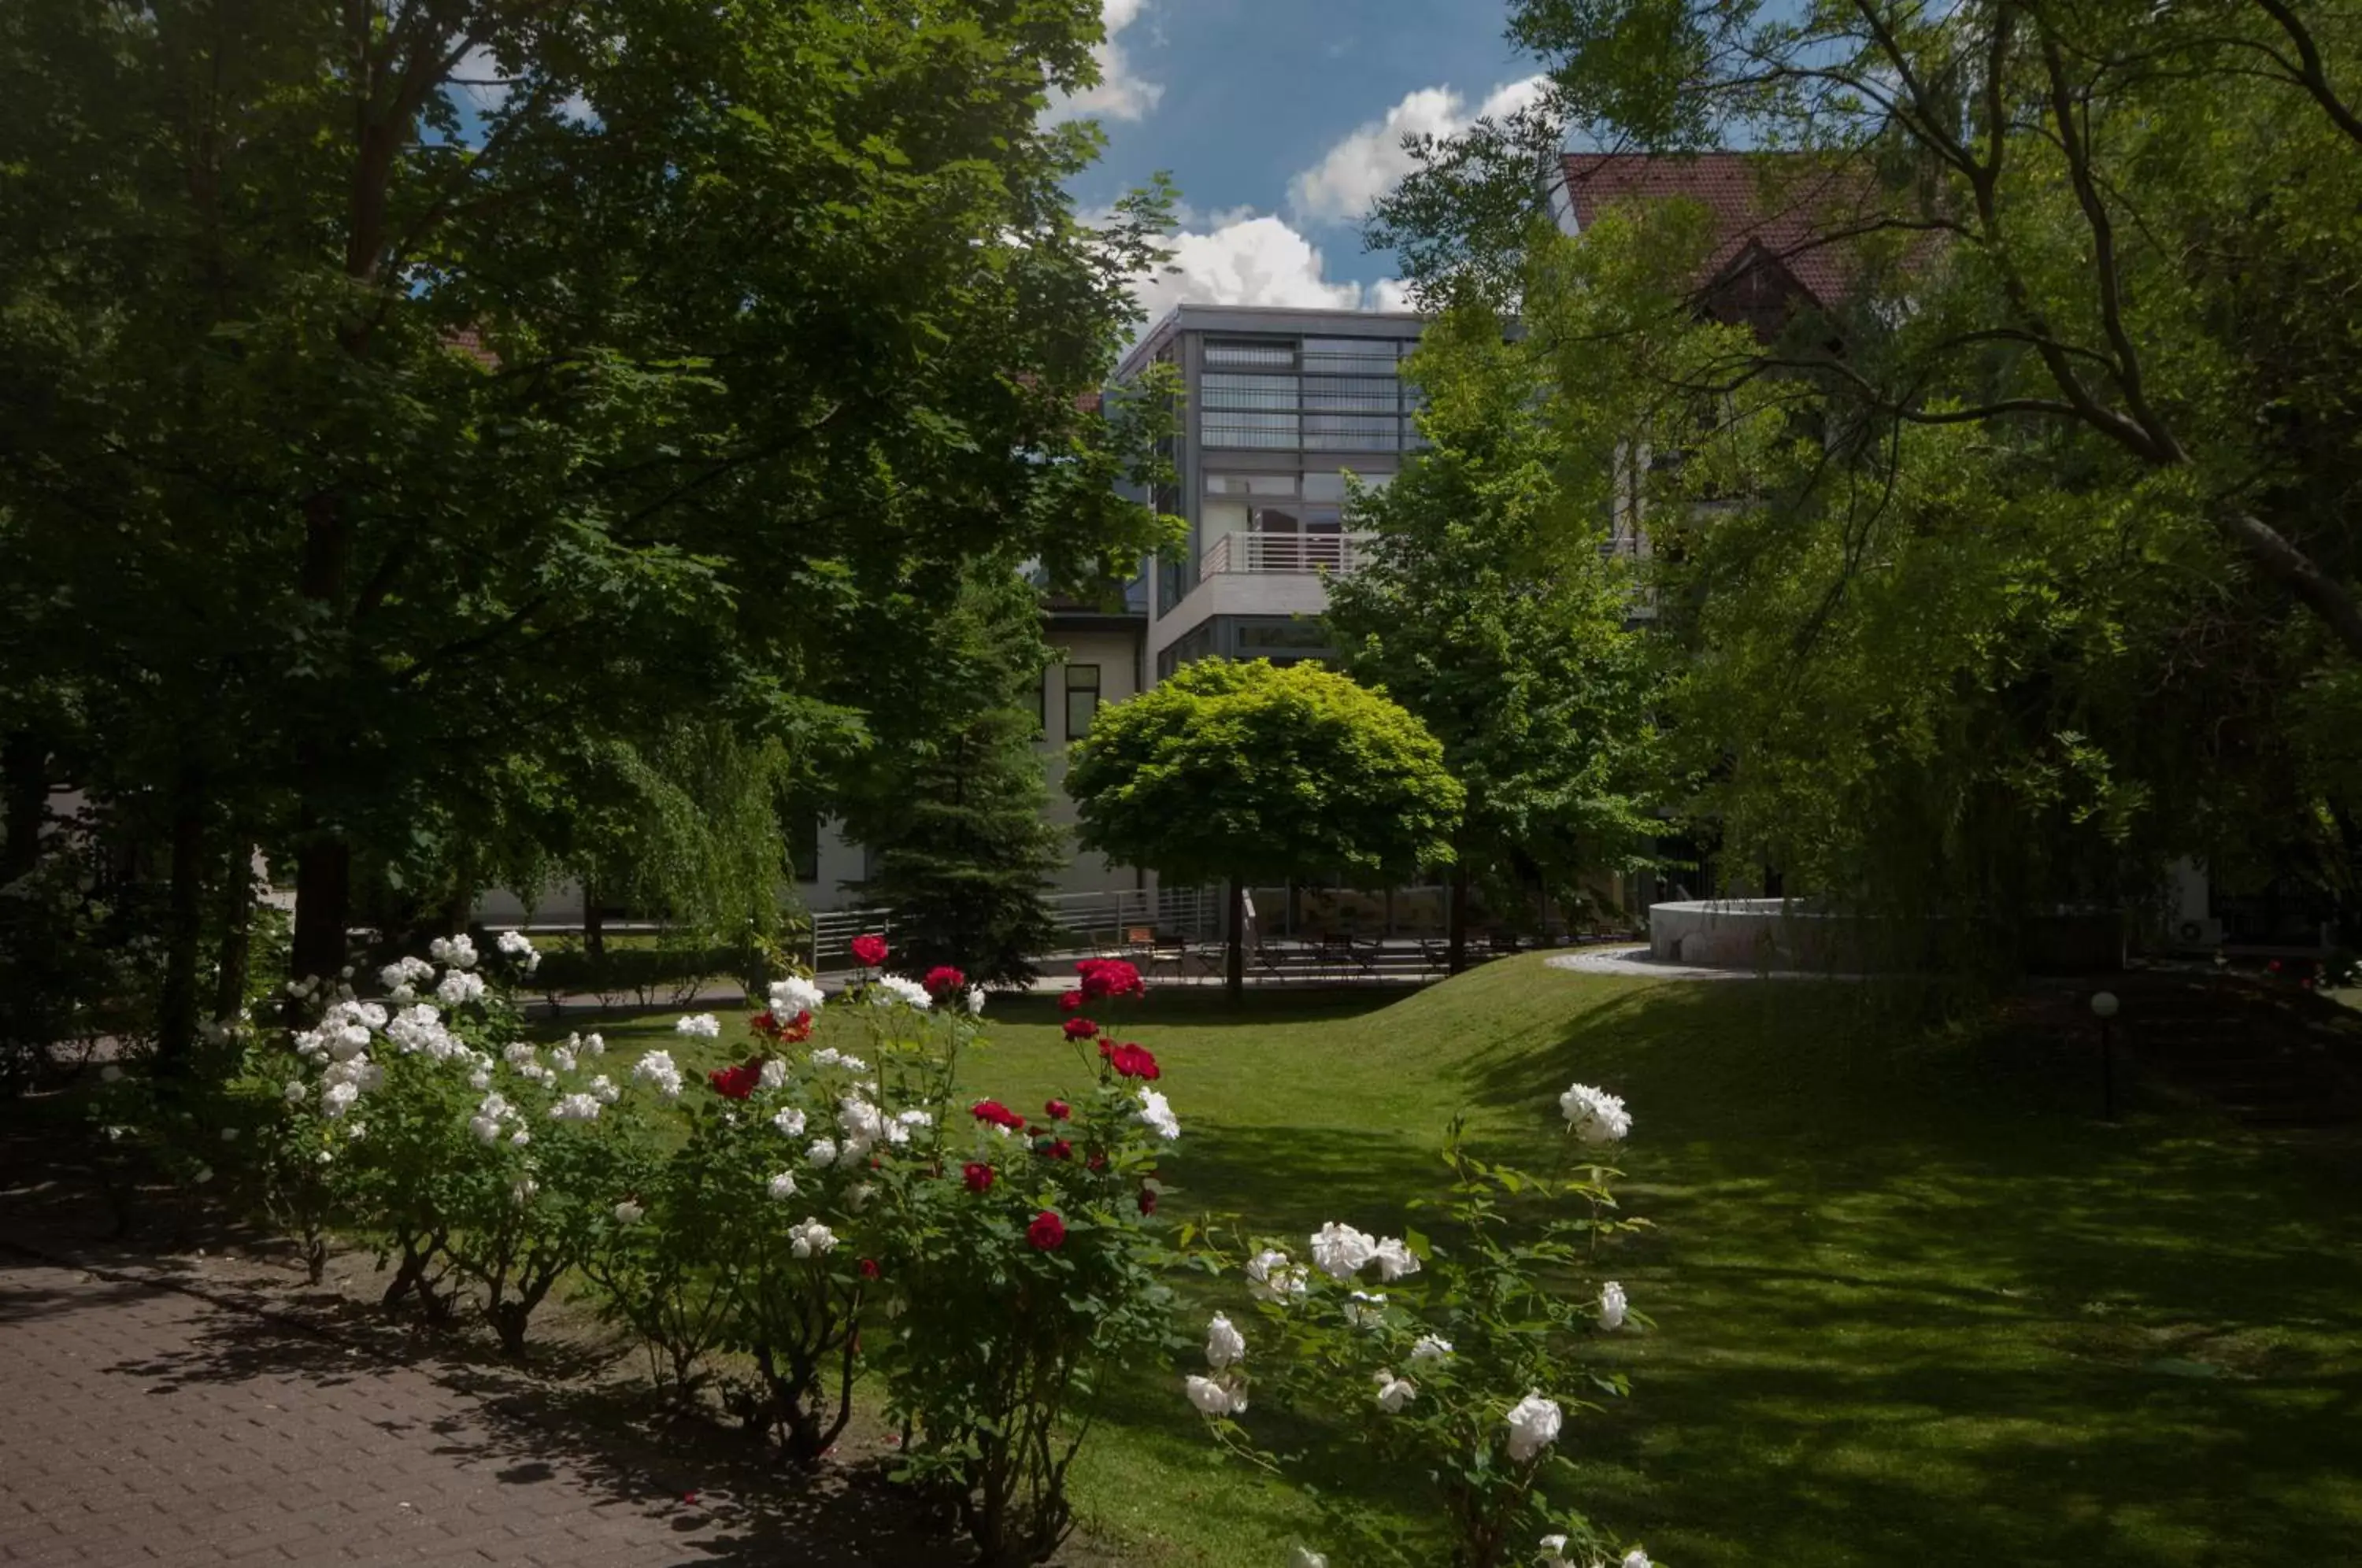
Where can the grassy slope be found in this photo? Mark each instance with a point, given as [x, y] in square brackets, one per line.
[1915, 1304]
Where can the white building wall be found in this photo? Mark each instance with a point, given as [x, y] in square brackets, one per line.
[1115, 656]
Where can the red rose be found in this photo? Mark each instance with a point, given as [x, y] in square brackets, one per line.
[1046, 1231]
[1079, 1028]
[1000, 1115]
[2274, 965]
[1147, 1201]
[1097, 1161]
[978, 1178]
[870, 949]
[764, 1022]
[1059, 1109]
[736, 1083]
[1133, 1061]
[1061, 1149]
[1109, 977]
[869, 1269]
[942, 977]
[799, 1028]
[1069, 1001]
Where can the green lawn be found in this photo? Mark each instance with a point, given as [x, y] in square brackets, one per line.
[1915, 1304]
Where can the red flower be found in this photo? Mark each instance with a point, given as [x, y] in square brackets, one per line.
[1109, 977]
[1069, 1001]
[1061, 1149]
[1047, 1231]
[736, 1083]
[978, 1178]
[869, 1269]
[1147, 1201]
[1059, 1109]
[799, 1028]
[2274, 965]
[1097, 1161]
[764, 1022]
[1133, 1061]
[1080, 1028]
[870, 949]
[941, 978]
[1000, 1115]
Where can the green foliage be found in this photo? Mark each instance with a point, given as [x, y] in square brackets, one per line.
[950, 804]
[1488, 610]
[1233, 769]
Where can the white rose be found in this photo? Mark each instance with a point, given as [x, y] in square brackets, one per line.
[1611, 1306]
[1533, 1424]
[1224, 1345]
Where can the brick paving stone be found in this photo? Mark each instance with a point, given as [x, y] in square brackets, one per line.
[145, 1425]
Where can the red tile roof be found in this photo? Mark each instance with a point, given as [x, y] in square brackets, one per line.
[1764, 205]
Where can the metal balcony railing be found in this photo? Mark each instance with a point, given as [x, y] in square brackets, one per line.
[1303, 554]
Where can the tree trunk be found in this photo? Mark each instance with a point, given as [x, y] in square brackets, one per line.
[237, 932]
[176, 1021]
[594, 927]
[1456, 922]
[1234, 962]
[324, 876]
[24, 802]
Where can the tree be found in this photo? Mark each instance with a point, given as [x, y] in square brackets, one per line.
[395, 394]
[950, 803]
[1234, 770]
[1490, 611]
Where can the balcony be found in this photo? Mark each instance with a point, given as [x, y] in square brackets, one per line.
[1299, 555]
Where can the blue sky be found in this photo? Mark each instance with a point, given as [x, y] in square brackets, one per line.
[1281, 120]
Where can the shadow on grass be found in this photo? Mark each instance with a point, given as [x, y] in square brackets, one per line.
[1917, 1303]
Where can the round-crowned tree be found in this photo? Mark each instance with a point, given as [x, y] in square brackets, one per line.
[1230, 771]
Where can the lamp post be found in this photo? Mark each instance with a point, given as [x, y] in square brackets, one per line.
[2103, 1008]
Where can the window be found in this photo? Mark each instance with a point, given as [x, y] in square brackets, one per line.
[1250, 484]
[1082, 699]
[803, 843]
[1280, 352]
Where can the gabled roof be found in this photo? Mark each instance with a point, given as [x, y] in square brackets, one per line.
[1768, 209]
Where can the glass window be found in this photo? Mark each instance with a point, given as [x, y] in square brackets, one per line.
[803, 843]
[1363, 355]
[1082, 699]
[1294, 635]
[1353, 432]
[1372, 394]
[1250, 484]
[1263, 431]
[1250, 352]
[1231, 391]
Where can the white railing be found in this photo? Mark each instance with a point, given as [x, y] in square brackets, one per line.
[1304, 554]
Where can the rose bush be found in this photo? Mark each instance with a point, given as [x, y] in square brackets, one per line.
[1459, 1364]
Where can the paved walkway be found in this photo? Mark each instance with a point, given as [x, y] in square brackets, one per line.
[1638, 961]
[142, 1424]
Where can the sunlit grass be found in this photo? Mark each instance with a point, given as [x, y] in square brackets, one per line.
[1916, 1305]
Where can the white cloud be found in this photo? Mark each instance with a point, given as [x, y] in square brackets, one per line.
[1390, 294]
[1347, 182]
[1244, 257]
[1121, 94]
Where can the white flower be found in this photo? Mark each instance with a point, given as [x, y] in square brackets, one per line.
[830, 1056]
[1155, 1114]
[521, 1055]
[774, 1073]
[1611, 1306]
[863, 1122]
[629, 1213]
[976, 999]
[110, 1073]
[910, 1121]
[576, 1107]
[480, 1079]
[1553, 1552]
[520, 1137]
[296, 1092]
[789, 1122]
[516, 945]
[1394, 1393]
[337, 1098]
[1533, 1426]
[823, 1152]
[459, 988]
[1341, 1250]
[1306, 1558]
[561, 1058]
[783, 1187]
[1224, 1345]
[1635, 1558]
[1226, 1398]
[1365, 1309]
[1271, 1277]
[420, 1028]
[890, 989]
[810, 1239]
[230, 1135]
[657, 1069]
[857, 1196]
[1394, 1259]
[1595, 1115]
[1430, 1348]
[459, 952]
[699, 1026]
[405, 976]
[604, 1092]
[591, 1045]
[794, 995]
[203, 1175]
[521, 1190]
